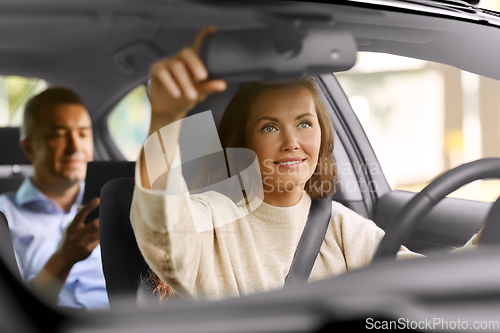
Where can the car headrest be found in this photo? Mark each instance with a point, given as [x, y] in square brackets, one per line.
[11, 152]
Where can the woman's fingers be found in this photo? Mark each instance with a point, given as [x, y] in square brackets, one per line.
[178, 75]
[211, 87]
[182, 77]
[191, 70]
[201, 36]
[179, 82]
[194, 64]
[160, 72]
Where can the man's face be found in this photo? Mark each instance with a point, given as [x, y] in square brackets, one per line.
[62, 144]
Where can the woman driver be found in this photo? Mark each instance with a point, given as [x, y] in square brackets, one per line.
[289, 129]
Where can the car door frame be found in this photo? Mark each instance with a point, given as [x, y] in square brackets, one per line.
[451, 223]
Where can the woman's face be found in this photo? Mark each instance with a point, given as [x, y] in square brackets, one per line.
[283, 130]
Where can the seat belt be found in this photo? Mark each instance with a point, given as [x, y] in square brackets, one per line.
[310, 241]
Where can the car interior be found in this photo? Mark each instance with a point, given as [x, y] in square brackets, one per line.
[104, 49]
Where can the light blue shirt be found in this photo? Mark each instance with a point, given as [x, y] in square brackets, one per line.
[36, 225]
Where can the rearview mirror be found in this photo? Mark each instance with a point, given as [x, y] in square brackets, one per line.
[265, 54]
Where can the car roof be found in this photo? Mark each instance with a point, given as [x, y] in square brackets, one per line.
[104, 48]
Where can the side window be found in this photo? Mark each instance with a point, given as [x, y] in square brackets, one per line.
[15, 91]
[128, 123]
[424, 118]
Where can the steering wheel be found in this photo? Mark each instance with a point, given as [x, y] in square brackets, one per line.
[491, 229]
[401, 228]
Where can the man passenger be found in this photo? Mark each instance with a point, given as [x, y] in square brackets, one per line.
[57, 253]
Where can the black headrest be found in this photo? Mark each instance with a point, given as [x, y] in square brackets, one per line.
[122, 260]
[99, 173]
[10, 151]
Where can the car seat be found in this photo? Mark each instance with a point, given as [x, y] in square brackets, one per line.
[20, 309]
[6, 248]
[122, 261]
[14, 165]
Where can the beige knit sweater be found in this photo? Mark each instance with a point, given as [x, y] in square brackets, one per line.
[251, 254]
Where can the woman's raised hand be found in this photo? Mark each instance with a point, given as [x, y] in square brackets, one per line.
[178, 83]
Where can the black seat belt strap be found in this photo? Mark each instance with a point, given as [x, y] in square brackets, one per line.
[310, 241]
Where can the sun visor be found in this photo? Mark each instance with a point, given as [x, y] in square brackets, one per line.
[266, 54]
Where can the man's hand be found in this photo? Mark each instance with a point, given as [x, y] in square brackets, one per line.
[78, 242]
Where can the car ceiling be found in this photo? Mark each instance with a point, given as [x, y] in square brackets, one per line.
[104, 48]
